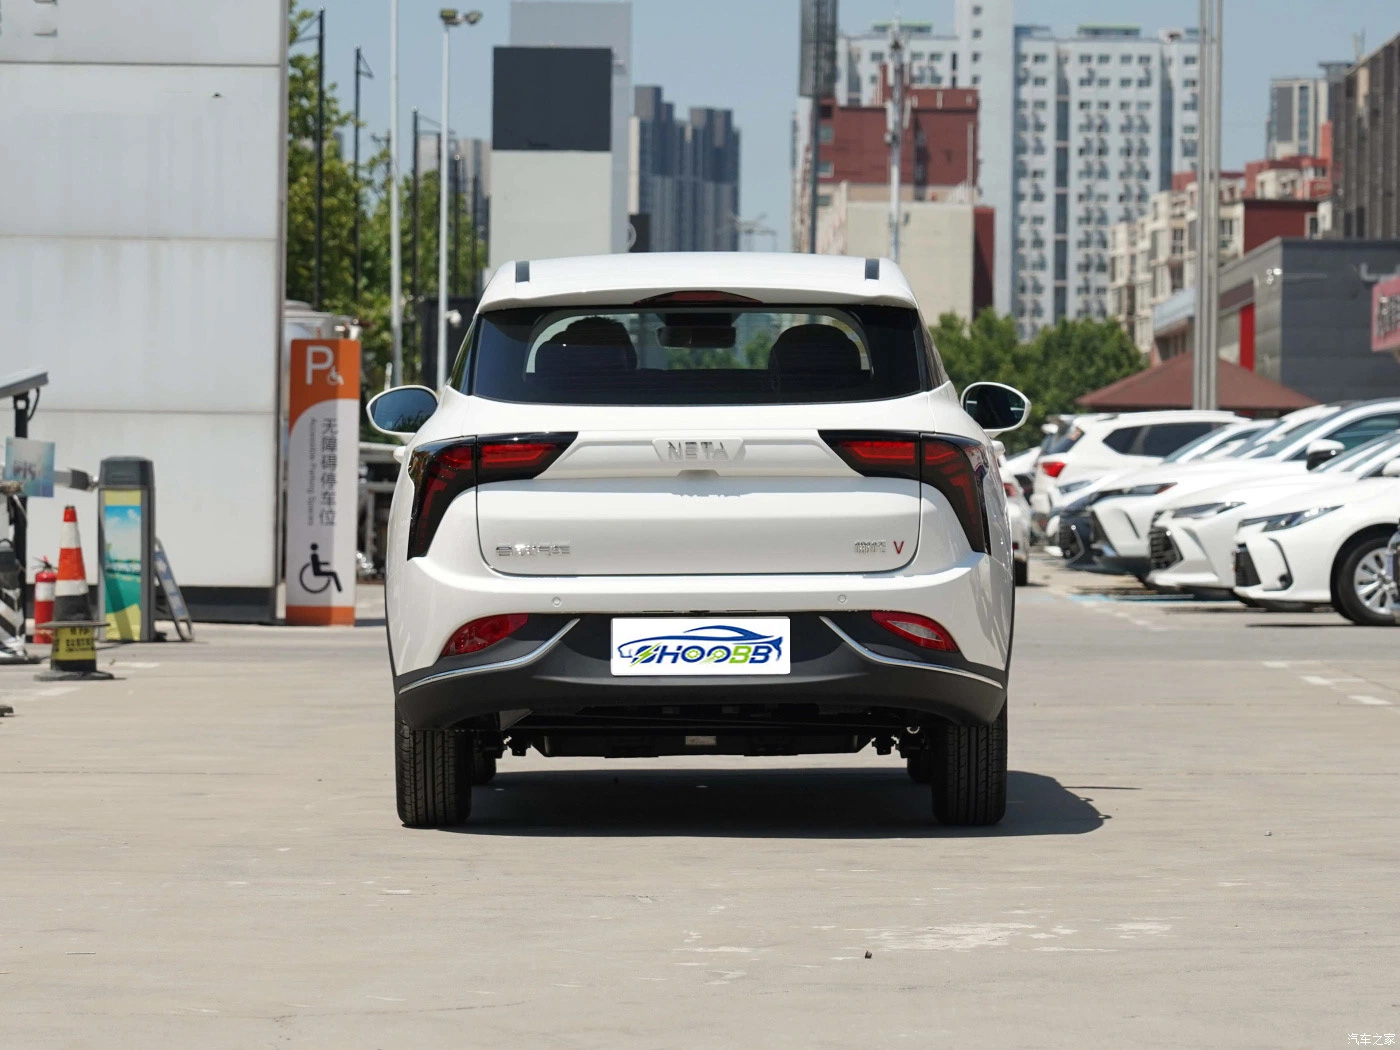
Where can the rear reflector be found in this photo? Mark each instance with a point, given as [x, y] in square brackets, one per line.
[480, 634]
[1052, 467]
[442, 470]
[923, 632]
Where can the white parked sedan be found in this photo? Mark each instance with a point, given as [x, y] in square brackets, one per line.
[1328, 548]
[1193, 537]
[1018, 514]
[1122, 524]
[699, 504]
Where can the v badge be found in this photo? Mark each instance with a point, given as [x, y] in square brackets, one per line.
[899, 546]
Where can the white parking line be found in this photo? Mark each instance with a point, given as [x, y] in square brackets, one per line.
[1314, 679]
[1373, 701]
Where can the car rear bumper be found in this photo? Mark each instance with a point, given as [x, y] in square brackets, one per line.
[843, 663]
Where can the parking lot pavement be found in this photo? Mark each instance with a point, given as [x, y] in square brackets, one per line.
[1200, 850]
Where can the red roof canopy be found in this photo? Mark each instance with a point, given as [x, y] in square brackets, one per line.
[1169, 385]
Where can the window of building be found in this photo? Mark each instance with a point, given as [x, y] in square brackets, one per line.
[1040, 57]
[937, 56]
[1086, 104]
[1039, 82]
[1105, 82]
[1188, 129]
[877, 56]
[1143, 107]
[1040, 103]
[977, 56]
[976, 79]
[1126, 82]
[1189, 82]
[823, 200]
[976, 10]
[976, 34]
[826, 169]
[1189, 60]
[1105, 59]
[826, 134]
[1144, 60]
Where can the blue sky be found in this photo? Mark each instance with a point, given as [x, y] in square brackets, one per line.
[742, 55]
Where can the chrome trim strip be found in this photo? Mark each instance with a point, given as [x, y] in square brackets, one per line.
[895, 662]
[504, 665]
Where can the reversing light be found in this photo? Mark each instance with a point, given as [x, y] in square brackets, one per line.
[923, 632]
[483, 633]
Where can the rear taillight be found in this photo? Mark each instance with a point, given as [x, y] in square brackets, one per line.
[923, 632]
[479, 634]
[953, 465]
[878, 456]
[1051, 468]
[442, 470]
[1012, 489]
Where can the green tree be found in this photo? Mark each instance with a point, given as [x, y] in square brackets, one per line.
[1060, 364]
[369, 305]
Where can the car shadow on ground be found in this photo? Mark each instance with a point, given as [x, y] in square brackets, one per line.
[815, 803]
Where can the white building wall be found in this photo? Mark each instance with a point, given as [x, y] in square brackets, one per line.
[149, 283]
[545, 205]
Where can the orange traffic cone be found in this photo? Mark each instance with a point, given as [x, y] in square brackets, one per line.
[74, 653]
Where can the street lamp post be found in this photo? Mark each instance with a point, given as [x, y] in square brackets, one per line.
[361, 69]
[395, 259]
[320, 148]
[450, 17]
[1205, 392]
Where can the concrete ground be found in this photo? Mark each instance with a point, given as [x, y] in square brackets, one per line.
[1201, 850]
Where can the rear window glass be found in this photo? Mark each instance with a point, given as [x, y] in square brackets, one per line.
[729, 355]
[1058, 445]
[1121, 440]
[1165, 438]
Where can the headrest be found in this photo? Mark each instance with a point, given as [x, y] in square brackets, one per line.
[559, 358]
[814, 348]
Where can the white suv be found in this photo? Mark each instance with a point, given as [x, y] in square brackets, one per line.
[1099, 445]
[699, 504]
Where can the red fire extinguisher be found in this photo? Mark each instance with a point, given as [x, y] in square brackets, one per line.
[44, 580]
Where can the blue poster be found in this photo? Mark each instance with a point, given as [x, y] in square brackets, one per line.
[31, 464]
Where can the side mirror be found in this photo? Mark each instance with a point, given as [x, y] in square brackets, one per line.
[1321, 450]
[402, 410]
[1391, 469]
[995, 407]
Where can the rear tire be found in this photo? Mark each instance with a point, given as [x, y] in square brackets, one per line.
[969, 773]
[433, 774]
[1356, 581]
[1021, 573]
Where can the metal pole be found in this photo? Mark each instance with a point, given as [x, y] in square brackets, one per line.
[443, 161]
[395, 248]
[896, 132]
[476, 269]
[19, 524]
[1217, 41]
[816, 126]
[357, 175]
[1207, 221]
[416, 289]
[320, 148]
[456, 223]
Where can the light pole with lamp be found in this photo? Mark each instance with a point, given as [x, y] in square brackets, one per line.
[450, 17]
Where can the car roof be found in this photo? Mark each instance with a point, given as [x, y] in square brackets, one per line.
[1175, 415]
[612, 280]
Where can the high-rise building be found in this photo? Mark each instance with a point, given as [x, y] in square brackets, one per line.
[1299, 107]
[561, 101]
[1366, 147]
[684, 176]
[1075, 133]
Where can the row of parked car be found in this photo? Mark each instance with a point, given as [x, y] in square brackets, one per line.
[1289, 513]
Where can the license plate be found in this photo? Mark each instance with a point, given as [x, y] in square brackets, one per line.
[701, 646]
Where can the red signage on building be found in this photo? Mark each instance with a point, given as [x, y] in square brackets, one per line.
[1385, 315]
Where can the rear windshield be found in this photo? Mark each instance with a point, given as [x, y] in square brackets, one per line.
[730, 355]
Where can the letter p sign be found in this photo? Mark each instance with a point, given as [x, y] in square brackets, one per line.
[322, 359]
